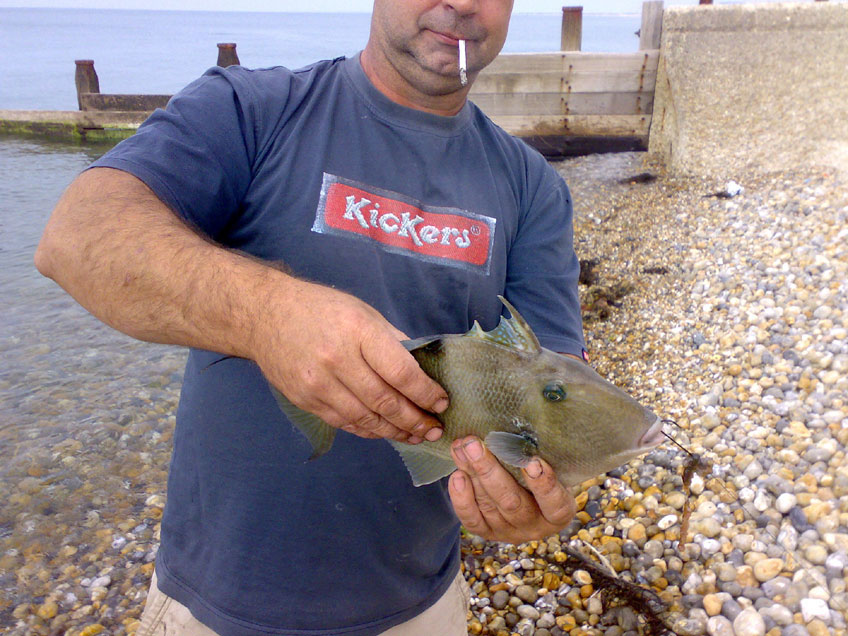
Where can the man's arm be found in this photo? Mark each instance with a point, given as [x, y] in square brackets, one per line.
[127, 258]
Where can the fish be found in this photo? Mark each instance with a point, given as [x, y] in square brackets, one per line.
[522, 400]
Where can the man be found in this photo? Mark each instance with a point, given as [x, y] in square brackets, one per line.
[294, 226]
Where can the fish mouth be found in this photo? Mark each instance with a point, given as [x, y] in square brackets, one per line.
[653, 436]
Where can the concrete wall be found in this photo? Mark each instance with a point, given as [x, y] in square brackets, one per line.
[743, 87]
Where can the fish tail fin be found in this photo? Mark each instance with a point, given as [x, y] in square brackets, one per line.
[424, 465]
[317, 431]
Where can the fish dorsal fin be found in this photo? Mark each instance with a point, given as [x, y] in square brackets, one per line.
[317, 431]
[511, 332]
[418, 343]
[423, 464]
[511, 448]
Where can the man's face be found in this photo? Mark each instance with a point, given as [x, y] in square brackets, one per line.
[419, 38]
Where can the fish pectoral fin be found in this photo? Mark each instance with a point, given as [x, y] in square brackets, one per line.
[424, 465]
[317, 431]
[510, 448]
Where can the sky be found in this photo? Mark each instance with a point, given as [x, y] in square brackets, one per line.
[521, 6]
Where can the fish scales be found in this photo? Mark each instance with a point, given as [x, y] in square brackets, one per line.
[522, 400]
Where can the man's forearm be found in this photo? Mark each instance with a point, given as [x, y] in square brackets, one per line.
[124, 255]
[127, 258]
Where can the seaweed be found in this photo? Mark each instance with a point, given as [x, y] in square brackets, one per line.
[616, 591]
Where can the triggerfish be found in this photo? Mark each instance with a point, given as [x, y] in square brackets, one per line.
[522, 400]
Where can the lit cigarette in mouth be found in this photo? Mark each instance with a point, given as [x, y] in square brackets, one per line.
[463, 65]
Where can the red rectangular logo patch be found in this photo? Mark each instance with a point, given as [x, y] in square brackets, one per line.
[402, 225]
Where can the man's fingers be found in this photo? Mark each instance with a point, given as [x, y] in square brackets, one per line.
[392, 362]
[491, 479]
[555, 501]
[348, 413]
[383, 401]
[502, 508]
[465, 505]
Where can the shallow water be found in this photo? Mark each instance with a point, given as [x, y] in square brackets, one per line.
[86, 413]
[64, 373]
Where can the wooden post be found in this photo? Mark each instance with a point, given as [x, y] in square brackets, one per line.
[649, 34]
[572, 29]
[227, 55]
[85, 79]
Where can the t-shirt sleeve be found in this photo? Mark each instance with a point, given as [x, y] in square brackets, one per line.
[543, 267]
[196, 154]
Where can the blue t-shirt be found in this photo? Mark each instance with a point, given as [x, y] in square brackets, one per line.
[426, 218]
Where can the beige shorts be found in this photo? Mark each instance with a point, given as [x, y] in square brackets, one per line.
[447, 617]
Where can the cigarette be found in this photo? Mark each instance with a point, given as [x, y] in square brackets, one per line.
[463, 77]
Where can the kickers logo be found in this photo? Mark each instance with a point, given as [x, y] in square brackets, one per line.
[449, 236]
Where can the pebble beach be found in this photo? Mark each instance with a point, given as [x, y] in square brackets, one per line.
[727, 314]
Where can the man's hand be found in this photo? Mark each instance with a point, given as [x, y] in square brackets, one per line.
[492, 504]
[335, 356]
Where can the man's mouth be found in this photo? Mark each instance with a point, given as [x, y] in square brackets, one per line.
[450, 39]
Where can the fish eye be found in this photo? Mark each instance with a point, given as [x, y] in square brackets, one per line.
[554, 392]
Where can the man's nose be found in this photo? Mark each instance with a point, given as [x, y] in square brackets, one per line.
[462, 7]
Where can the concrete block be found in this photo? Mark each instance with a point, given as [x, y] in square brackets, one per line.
[758, 87]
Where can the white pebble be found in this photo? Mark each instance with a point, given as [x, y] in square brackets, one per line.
[719, 626]
[102, 581]
[749, 623]
[707, 509]
[710, 547]
[762, 501]
[812, 608]
[785, 502]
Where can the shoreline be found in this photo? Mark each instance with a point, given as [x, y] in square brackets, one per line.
[726, 328]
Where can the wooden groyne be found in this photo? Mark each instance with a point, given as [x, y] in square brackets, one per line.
[72, 124]
[101, 116]
[572, 102]
[564, 103]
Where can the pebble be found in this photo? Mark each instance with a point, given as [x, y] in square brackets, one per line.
[767, 569]
[500, 599]
[527, 611]
[719, 626]
[526, 593]
[814, 608]
[749, 623]
[713, 603]
[782, 616]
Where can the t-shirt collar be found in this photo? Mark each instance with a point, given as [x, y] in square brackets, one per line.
[403, 115]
